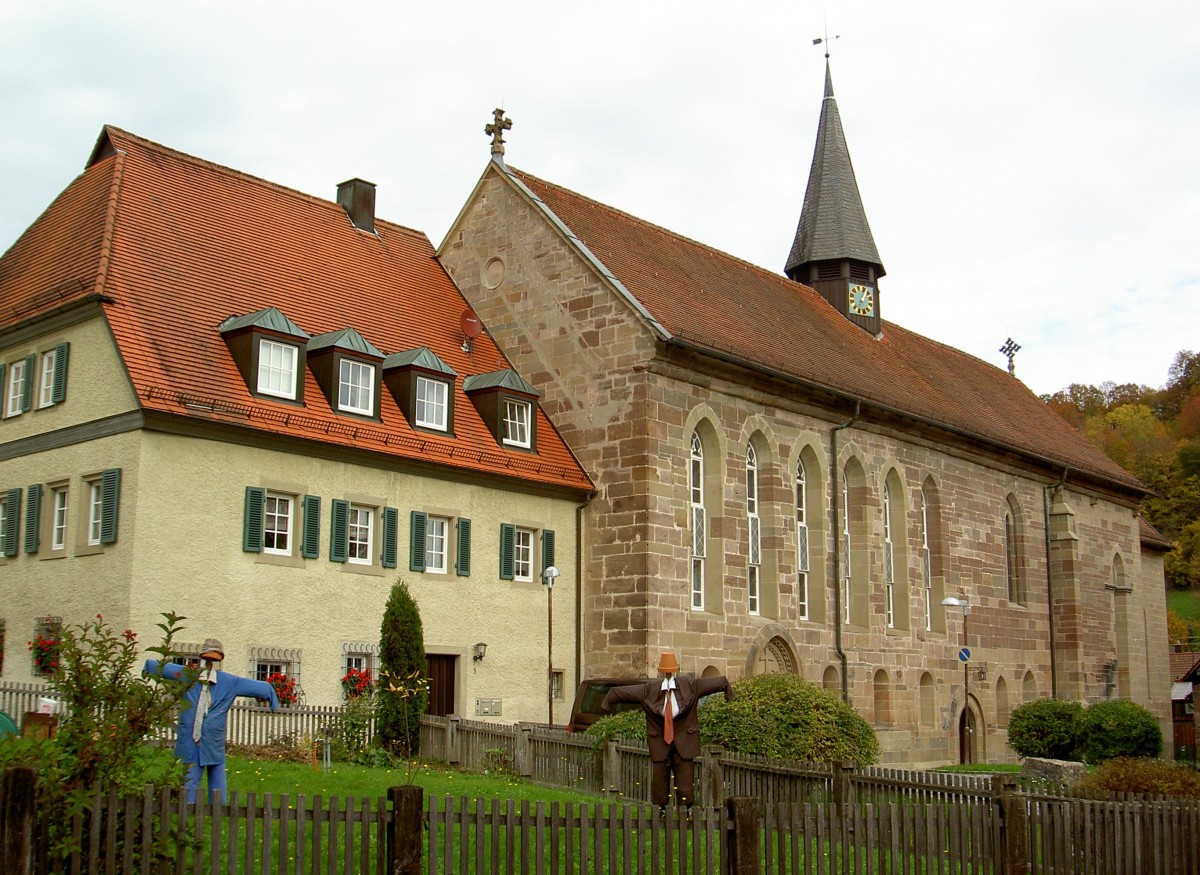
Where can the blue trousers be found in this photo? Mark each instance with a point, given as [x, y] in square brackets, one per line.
[216, 780]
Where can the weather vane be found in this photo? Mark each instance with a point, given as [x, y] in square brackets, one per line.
[826, 40]
[496, 130]
[1010, 349]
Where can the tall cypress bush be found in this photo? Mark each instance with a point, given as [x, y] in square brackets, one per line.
[403, 691]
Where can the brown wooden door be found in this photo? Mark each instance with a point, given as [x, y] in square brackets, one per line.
[442, 670]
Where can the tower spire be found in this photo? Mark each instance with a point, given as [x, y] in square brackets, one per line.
[834, 250]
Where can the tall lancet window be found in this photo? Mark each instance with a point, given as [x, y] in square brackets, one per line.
[754, 532]
[698, 527]
[845, 547]
[801, 542]
[926, 563]
[889, 560]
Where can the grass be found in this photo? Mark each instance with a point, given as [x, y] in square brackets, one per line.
[1185, 602]
[345, 780]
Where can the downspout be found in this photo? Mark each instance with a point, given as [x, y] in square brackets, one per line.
[837, 548]
[1049, 590]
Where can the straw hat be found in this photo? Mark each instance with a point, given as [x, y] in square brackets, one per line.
[667, 664]
[213, 649]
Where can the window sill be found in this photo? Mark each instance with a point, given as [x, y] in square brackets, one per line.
[366, 570]
[287, 561]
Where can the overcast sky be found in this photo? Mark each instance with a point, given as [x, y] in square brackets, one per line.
[1031, 170]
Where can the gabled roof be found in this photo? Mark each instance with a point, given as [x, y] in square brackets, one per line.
[348, 339]
[697, 296]
[270, 319]
[422, 357]
[172, 246]
[833, 223]
[1184, 664]
[505, 379]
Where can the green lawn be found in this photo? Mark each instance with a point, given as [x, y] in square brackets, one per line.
[344, 780]
[1185, 602]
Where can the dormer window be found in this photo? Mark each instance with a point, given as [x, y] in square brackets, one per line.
[516, 422]
[356, 388]
[506, 404]
[423, 386]
[269, 351]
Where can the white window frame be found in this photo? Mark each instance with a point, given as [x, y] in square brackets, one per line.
[360, 534]
[431, 408]
[523, 541]
[437, 541]
[46, 386]
[697, 521]
[754, 534]
[264, 668]
[926, 564]
[16, 388]
[517, 422]
[802, 561]
[3, 518]
[889, 561]
[58, 519]
[277, 368]
[279, 525]
[356, 385]
[95, 512]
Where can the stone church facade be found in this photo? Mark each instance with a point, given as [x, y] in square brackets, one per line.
[786, 482]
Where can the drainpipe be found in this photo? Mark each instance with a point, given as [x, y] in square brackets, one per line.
[837, 547]
[1046, 490]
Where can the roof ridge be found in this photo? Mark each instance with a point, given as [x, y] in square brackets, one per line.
[103, 258]
[151, 145]
[758, 268]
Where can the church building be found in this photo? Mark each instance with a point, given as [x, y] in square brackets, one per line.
[788, 482]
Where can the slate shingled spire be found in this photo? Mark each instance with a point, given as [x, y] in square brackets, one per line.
[833, 239]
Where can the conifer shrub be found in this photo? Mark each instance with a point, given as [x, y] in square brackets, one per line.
[1140, 775]
[1118, 728]
[402, 692]
[1046, 728]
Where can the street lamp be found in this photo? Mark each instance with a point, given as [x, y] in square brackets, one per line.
[548, 575]
[967, 752]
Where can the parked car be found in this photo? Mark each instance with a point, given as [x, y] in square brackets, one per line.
[590, 694]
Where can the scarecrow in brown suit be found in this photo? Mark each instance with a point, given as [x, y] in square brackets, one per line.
[672, 725]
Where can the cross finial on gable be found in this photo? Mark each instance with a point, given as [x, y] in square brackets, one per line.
[496, 130]
[1011, 349]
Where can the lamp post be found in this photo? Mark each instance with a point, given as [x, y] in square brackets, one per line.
[548, 576]
[966, 751]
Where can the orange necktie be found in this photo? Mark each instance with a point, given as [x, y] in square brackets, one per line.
[668, 719]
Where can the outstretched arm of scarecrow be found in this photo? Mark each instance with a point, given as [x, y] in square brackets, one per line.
[260, 690]
[170, 670]
[629, 693]
[708, 686]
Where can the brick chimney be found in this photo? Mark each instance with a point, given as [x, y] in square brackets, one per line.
[357, 198]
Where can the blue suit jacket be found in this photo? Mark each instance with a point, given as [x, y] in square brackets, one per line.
[228, 687]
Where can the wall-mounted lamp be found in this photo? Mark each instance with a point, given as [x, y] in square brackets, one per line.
[549, 574]
[479, 651]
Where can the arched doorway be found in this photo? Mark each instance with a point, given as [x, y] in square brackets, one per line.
[969, 742]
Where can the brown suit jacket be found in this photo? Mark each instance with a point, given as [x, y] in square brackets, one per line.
[649, 695]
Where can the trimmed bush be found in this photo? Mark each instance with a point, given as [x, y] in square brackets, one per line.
[1046, 728]
[403, 689]
[1134, 775]
[1118, 728]
[626, 726]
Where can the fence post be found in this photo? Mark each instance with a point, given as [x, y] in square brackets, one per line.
[843, 788]
[745, 826]
[452, 739]
[1014, 823]
[406, 836]
[18, 797]
[714, 774]
[523, 754]
[611, 769]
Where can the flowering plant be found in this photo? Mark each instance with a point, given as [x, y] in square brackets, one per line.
[45, 653]
[358, 682]
[285, 688]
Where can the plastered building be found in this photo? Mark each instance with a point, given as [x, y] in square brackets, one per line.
[788, 482]
[259, 409]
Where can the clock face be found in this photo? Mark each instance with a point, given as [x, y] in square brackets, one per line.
[862, 300]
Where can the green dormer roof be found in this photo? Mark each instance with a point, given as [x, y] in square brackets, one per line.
[271, 319]
[504, 379]
[421, 357]
[347, 339]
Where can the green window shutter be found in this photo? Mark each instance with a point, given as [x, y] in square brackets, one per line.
[13, 502]
[547, 548]
[3, 389]
[59, 391]
[252, 519]
[339, 531]
[391, 522]
[110, 505]
[27, 383]
[416, 540]
[507, 536]
[310, 545]
[33, 518]
[463, 563]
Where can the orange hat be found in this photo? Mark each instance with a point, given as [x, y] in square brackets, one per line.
[667, 664]
[212, 649]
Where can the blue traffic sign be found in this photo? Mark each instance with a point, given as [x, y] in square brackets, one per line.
[964, 655]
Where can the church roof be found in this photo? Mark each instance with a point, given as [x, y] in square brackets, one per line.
[833, 223]
[694, 295]
[171, 247]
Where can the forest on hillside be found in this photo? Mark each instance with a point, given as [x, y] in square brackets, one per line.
[1155, 435]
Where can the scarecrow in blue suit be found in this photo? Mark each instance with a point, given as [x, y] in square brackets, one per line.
[200, 738]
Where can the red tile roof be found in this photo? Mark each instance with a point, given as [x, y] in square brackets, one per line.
[176, 245]
[1183, 663]
[729, 307]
